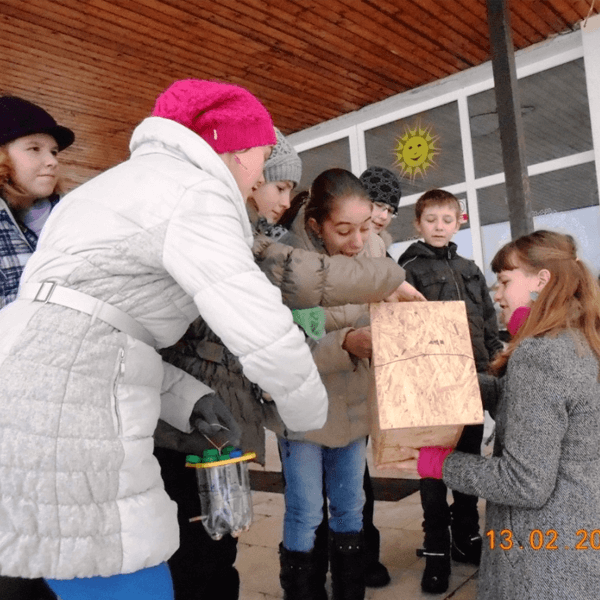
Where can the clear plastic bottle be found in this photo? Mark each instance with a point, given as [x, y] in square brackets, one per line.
[224, 489]
[246, 497]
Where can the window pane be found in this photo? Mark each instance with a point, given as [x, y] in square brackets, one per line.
[556, 118]
[557, 191]
[319, 159]
[564, 200]
[443, 149]
[493, 206]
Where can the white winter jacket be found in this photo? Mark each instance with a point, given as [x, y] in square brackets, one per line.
[164, 237]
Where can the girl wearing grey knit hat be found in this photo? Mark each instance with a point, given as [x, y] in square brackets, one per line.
[282, 173]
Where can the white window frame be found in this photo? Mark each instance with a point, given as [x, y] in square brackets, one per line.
[458, 88]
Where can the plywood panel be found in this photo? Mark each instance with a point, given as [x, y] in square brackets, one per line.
[425, 378]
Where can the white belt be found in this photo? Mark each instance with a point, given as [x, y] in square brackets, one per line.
[48, 291]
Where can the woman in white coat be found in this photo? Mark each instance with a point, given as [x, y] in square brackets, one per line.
[127, 261]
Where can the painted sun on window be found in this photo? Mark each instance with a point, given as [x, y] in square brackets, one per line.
[416, 150]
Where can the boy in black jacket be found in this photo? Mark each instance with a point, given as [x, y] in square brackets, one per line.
[439, 273]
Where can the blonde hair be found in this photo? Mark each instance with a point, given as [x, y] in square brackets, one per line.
[570, 299]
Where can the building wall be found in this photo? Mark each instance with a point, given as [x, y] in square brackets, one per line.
[559, 87]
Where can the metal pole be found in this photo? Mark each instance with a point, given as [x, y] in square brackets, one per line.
[508, 106]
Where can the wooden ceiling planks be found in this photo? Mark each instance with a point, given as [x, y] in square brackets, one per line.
[98, 65]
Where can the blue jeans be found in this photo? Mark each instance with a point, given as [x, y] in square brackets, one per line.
[153, 583]
[305, 465]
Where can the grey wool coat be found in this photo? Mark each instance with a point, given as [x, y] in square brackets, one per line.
[542, 484]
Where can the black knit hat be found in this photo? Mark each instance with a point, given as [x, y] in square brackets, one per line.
[19, 118]
[383, 186]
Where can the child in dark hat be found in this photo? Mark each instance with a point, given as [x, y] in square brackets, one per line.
[385, 192]
[30, 140]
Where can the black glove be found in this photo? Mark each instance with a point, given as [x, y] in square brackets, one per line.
[212, 418]
[167, 436]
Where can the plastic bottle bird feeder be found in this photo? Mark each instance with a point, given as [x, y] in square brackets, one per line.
[224, 490]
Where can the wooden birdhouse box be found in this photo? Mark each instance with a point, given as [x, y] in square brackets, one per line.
[426, 385]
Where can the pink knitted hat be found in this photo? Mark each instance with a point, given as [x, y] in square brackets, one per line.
[226, 116]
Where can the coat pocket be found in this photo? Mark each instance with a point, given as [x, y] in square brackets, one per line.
[435, 285]
[117, 378]
[473, 287]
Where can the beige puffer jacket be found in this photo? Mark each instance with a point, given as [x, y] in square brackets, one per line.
[333, 279]
[347, 379]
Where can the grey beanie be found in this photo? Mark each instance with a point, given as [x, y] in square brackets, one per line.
[284, 164]
[383, 186]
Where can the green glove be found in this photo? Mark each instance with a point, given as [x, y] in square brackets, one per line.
[312, 320]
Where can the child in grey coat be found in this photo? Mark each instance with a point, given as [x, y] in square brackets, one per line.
[542, 484]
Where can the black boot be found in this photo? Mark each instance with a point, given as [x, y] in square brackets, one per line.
[298, 576]
[466, 539]
[467, 549]
[376, 575]
[436, 526]
[436, 576]
[347, 566]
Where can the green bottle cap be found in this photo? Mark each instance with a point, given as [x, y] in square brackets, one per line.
[192, 459]
[210, 455]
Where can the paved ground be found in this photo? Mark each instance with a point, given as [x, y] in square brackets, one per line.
[400, 526]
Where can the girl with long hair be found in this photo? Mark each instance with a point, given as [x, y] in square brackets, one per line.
[542, 484]
[336, 220]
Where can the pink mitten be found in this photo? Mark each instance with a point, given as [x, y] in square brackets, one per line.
[517, 319]
[431, 460]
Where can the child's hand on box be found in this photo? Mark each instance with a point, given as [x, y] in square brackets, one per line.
[405, 292]
[426, 462]
[407, 465]
[359, 342]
